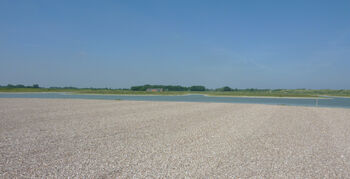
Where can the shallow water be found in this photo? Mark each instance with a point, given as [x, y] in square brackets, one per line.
[329, 102]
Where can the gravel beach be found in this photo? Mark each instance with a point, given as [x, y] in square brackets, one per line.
[61, 138]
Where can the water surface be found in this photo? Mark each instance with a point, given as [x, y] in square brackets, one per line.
[329, 102]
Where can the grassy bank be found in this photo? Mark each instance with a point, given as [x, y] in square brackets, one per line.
[262, 93]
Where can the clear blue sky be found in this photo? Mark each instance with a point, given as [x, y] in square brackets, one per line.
[117, 44]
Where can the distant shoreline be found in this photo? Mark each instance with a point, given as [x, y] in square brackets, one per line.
[286, 97]
[207, 95]
[233, 93]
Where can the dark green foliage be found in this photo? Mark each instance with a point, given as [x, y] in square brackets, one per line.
[165, 87]
[10, 86]
[67, 87]
[19, 86]
[168, 88]
[141, 88]
[197, 88]
[225, 88]
[176, 88]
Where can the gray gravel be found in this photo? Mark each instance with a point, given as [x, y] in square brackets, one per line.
[129, 139]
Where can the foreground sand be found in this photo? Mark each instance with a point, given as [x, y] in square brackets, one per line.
[100, 138]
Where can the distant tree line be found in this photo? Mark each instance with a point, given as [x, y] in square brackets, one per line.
[91, 88]
[145, 87]
[168, 88]
[227, 88]
[340, 92]
[197, 88]
[66, 87]
[20, 86]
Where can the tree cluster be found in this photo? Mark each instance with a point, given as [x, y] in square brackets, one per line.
[20, 86]
[168, 88]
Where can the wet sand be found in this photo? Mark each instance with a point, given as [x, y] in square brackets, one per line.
[124, 139]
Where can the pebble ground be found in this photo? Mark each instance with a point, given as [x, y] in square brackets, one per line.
[61, 138]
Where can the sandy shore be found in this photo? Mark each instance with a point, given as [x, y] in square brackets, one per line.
[124, 139]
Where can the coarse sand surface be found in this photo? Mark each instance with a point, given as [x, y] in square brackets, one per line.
[75, 138]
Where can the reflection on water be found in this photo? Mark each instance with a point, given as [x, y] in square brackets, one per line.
[330, 102]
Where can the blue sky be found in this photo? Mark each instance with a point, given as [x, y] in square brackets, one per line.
[117, 44]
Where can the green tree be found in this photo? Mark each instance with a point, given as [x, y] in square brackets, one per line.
[197, 88]
[226, 88]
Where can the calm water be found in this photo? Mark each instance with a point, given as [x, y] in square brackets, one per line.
[332, 102]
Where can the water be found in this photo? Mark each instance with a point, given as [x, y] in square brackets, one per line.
[329, 102]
